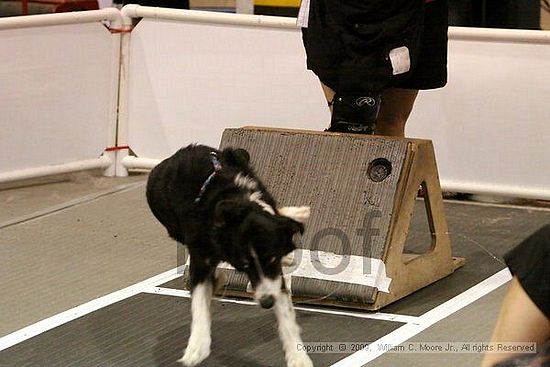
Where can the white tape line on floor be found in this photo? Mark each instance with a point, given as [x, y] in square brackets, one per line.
[413, 326]
[428, 319]
[86, 308]
[363, 315]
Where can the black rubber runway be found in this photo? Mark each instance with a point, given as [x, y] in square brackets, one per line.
[152, 330]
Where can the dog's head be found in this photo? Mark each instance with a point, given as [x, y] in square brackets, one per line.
[258, 241]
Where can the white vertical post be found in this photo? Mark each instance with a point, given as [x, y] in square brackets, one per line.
[115, 27]
[122, 126]
[244, 6]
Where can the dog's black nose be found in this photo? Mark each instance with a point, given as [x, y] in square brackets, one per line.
[267, 301]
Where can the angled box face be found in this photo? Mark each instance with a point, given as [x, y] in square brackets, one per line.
[350, 211]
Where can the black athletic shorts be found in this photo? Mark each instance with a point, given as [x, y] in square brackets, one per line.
[530, 263]
[430, 67]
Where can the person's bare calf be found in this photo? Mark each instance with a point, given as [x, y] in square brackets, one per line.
[397, 105]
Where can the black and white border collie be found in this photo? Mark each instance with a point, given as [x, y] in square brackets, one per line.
[212, 202]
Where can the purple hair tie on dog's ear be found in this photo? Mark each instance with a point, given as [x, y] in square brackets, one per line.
[215, 162]
[217, 167]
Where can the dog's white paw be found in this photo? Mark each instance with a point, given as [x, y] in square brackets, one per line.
[288, 260]
[299, 359]
[195, 353]
[298, 213]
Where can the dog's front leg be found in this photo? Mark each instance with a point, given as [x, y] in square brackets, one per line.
[289, 332]
[198, 346]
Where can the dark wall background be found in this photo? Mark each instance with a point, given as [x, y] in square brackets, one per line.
[523, 14]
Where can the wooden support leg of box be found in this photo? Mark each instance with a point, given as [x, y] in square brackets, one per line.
[410, 272]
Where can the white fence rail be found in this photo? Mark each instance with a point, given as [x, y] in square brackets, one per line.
[58, 92]
[193, 74]
[490, 124]
[186, 75]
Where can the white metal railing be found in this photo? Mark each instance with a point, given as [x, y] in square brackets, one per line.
[137, 11]
[499, 35]
[475, 38]
[22, 27]
[120, 94]
[108, 14]
[103, 162]
[131, 12]
[487, 34]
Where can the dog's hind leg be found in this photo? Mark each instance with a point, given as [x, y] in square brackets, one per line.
[289, 332]
[198, 346]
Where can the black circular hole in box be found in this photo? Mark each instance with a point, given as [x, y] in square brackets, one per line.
[379, 169]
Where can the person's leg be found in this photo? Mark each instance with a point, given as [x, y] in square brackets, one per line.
[329, 95]
[396, 107]
[519, 320]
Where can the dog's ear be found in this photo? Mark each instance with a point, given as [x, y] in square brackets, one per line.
[294, 226]
[229, 211]
[291, 229]
[242, 155]
[236, 157]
